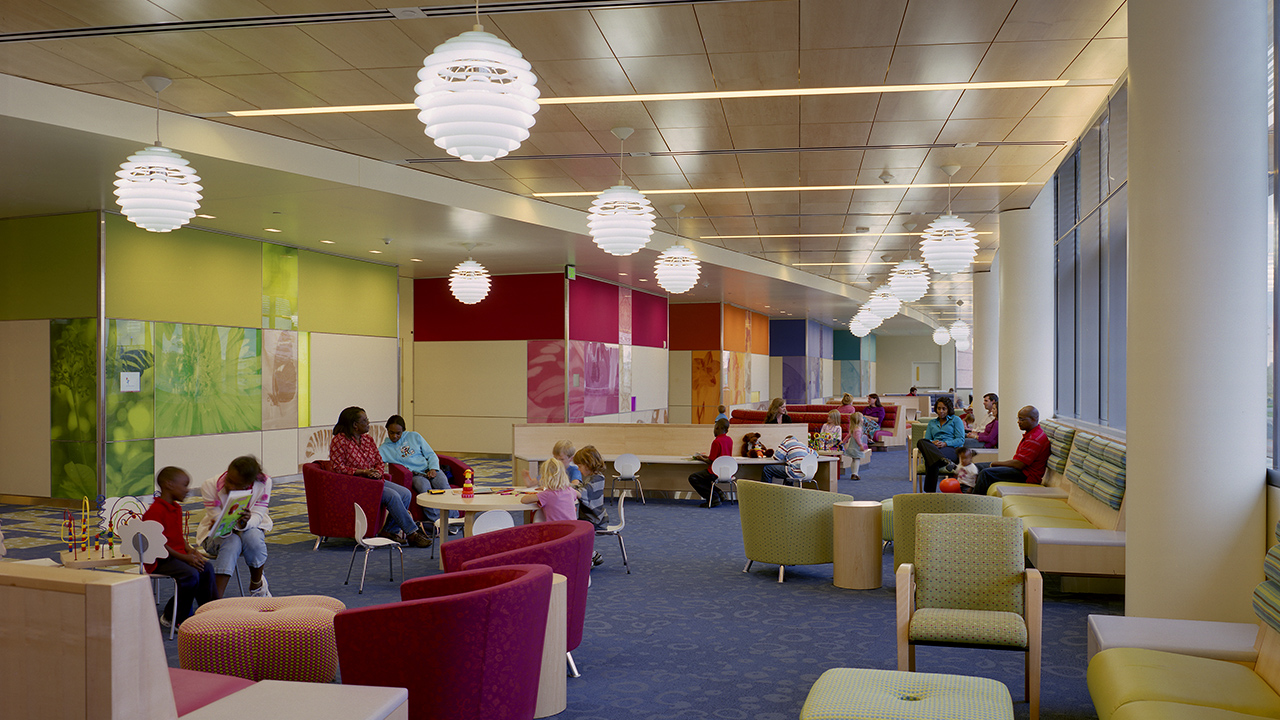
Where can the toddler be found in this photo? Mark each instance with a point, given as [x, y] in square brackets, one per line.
[555, 496]
[967, 472]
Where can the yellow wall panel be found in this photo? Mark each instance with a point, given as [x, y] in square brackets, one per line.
[187, 276]
[341, 295]
[43, 253]
[485, 378]
[24, 397]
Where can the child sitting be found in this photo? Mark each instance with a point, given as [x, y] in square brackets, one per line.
[189, 570]
[555, 496]
[591, 492]
[831, 436]
[967, 472]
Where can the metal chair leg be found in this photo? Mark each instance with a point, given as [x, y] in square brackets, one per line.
[781, 569]
[573, 668]
[364, 569]
[391, 566]
[317, 545]
[640, 488]
[748, 567]
[401, 551]
[236, 572]
[623, 546]
[354, 550]
[173, 618]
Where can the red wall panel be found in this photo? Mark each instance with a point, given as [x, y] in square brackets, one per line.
[593, 311]
[519, 307]
[695, 327]
[648, 319]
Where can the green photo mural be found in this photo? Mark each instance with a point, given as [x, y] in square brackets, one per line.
[208, 380]
[279, 287]
[131, 381]
[131, 468]
[73, 370]
[72, 470]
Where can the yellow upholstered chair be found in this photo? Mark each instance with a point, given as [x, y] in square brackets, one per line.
[908, 505]
[970, 587]
[786, 525]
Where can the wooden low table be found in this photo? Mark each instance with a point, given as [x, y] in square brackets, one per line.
[485, 499]
[670, 473]
[859, 549]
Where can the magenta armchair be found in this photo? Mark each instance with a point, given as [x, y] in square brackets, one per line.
[330, 497]
[474, 651]
[457, 469]
[564, 545]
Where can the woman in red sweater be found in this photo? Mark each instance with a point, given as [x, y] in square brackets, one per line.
[353, 452]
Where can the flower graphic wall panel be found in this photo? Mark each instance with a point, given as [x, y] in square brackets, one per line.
[279, 287]
[131, 381]
[208, 380]
[73, 371]
[546, 381]
[705, 382]
[279, 380]
[131, 468]
[73, 474]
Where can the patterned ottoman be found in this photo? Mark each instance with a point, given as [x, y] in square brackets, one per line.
[849, 693]
[284, 638]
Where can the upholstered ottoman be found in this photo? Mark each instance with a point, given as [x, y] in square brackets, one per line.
[852, 693]
[285, 638]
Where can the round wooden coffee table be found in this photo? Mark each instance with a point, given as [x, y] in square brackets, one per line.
[858, 547]
[470, 507]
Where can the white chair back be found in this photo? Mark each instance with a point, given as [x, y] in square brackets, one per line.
[362, 525]
[627, 466]
[809, 465]
[491, 520]
[724, 467]
[622, 519]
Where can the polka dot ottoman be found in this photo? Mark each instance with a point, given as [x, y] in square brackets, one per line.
[284, 638]
[857, 694]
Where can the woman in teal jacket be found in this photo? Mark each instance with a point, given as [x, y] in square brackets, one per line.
[942, 438]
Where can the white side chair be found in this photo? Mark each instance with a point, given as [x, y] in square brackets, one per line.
[369, 545]
[616, 530]
[724, 468]
[628, 470]
[491, 520]
[809, 466]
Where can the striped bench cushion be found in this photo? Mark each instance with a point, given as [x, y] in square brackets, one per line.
[1060, 437]
[1097, 466]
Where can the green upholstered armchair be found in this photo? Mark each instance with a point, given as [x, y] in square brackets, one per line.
[970, 587]
[908, 505]
[786, 525]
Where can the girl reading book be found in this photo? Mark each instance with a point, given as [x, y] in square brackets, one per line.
[236, 521]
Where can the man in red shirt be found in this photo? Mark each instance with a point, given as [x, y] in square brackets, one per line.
[1028, 462]
[704, 480]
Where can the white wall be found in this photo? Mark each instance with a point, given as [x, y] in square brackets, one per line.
[468, 394]
[894, 355]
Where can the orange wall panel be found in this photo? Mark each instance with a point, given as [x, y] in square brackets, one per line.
[735, 328]
[759, 334]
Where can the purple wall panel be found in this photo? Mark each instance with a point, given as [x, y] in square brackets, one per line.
[794, 387]
[815, 377]
[593, 311]
[600, 379]
[546, 381]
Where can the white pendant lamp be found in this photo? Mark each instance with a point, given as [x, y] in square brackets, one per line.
[959, 330]
[477, 95]
[941, 336]
[677, 268]
[157, 189]
[469, 281]
[964, 345]
[621, 219]
[883, 303]
[858, 329]
[949, 243]
[909, 281]
[868, 319]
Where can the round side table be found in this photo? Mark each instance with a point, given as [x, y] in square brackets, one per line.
[858, 547]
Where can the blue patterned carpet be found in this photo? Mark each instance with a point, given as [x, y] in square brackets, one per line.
[688, 634]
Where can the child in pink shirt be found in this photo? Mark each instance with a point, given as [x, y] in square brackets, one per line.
[556, 497]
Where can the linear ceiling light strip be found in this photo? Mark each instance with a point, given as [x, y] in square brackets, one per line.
[350, 16]
[791, 188]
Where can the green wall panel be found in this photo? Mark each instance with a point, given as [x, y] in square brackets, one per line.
[130, 351]
[73, 372]
[44, 253]
[131, 468]
[279, 287]
[187, 275]
[344, 296]
[208, 380]
[72, 470]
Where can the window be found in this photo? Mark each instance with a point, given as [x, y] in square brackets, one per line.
[1090, 261]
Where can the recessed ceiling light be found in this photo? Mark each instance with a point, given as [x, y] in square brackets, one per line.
[644, 279]
[711, 95]
[327, 242]
[622, 274]
[376, 252]
[272, 230]
[786, 188]
[414, 260]
[208, 217]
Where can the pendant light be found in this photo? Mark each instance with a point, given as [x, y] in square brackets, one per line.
[949, 243]
[476, 95]
[959, 330]
[909, 281]
[964, 345]
[157, 190]
[677, 268]
[621, 219]
[883, 303]
[868, 319]
[469, 281]
[941, 336]
[858, 329]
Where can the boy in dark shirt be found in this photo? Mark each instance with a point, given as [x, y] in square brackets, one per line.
[193, 575]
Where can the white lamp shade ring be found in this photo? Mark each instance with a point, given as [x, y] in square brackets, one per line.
[949, 245]
[157, 189]
[469, 282]
[941, 336]
[677, 269]
[909, 281]
[621, 220]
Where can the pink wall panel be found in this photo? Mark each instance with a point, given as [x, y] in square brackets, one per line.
[648, 320]
[575, 362]
[600, 379]
[593, 311]
[546, 381]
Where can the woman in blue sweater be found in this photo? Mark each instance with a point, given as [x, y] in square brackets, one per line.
[412, 451]
[942, 438]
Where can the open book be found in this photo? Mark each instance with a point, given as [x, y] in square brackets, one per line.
[236, 507]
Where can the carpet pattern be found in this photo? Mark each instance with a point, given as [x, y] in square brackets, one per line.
[687, 634]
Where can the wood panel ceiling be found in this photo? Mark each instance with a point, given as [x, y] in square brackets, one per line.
[759, 44]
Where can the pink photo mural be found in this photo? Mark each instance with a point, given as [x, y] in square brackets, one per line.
[546, 381]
